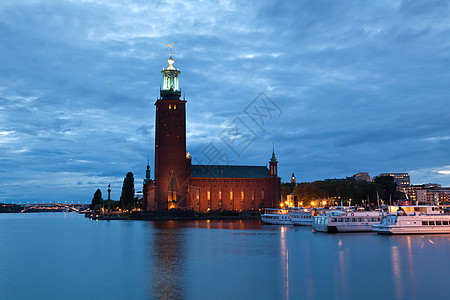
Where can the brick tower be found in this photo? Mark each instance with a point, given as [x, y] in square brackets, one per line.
[171, 169]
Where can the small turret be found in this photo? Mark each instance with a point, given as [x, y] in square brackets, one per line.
[293, 180]
[147, 173]
[273, 165]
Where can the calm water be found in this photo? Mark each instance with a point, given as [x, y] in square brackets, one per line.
[65, 256]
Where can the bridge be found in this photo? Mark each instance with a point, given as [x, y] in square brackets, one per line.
[53, 207]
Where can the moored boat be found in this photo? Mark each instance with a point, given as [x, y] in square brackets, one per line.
[419, 219]
[304, 216]
[277, 216]
[346, 221]
[301, 217]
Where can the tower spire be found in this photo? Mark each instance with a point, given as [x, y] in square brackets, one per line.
[273, 163]
[170, 89]
[273, 159]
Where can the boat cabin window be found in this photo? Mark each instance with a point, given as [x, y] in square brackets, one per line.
[445, 222]
[340, 219]
[431, 223]
[424, 222]
[354, 219]
[333, 219]
[347, 220]
[438, 222]
[360, 220]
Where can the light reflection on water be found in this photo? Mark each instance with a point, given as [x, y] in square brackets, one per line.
[168, 261]
[56, 256]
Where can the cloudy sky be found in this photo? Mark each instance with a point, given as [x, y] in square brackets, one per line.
[353, 86]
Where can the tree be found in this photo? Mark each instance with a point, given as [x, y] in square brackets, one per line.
[386, 187]
[286, 189]
[127, 196]
[97, 199]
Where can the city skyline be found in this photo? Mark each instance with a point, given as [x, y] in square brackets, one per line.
[359, 87]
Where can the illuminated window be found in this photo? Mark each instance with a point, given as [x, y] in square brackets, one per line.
[170, 106]
[174, 106]
[231, 195]
[208, 195]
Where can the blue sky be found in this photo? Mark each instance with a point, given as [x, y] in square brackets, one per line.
[360, 86]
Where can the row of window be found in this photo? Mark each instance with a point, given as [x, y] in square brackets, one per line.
[355, 219]
[227, 180]
[302, 217]
[435, 223]
[208, 195]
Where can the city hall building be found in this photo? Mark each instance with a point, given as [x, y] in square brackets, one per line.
[178, 184]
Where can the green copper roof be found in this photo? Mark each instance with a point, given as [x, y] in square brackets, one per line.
[219, 171]
[273, 159]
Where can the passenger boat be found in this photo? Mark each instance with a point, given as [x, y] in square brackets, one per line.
[419, 219]
[346, 221]
[304, 216]
[301, 217]
[277, 216]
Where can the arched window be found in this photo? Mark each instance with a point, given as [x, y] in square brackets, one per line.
[172, 191]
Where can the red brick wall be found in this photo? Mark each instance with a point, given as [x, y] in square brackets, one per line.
[170, 150]
[250, 186]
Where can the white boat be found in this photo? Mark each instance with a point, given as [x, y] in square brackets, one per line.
[277, 216]
[419, 219]
[346, 221]
[304, 216]
[301, 217]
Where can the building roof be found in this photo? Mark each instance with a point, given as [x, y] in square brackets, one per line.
[221, 171]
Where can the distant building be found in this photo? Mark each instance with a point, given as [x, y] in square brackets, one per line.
[401, 179]
[293, 180]
[430, 193]
[362, 176]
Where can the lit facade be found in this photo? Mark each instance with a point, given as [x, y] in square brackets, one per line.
[428, 193]
[401, 179]
[362, 176]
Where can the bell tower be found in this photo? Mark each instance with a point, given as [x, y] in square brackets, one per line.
[171, 170]
[273, 165]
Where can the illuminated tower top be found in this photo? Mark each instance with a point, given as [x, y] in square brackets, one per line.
[170, 88]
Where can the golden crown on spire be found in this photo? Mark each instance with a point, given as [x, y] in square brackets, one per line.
[170, 60]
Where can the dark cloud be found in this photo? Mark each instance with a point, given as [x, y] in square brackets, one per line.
[362, 87]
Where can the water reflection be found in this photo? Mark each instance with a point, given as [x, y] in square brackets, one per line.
[284, 252]
[227, 224]
[168, 261]
[395, 257]
[343, 265]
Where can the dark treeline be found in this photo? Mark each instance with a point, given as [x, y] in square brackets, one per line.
[345, 190]
[127, 198]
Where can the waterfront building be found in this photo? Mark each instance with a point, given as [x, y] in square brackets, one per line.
[362, 176]
[430, 193]
[401, 179]
[179, 184]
